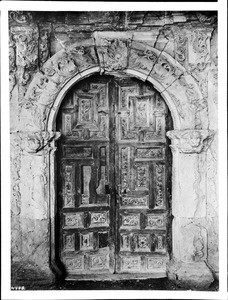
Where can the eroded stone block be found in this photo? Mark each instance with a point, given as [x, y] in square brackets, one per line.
[189, 239]
[195, 276]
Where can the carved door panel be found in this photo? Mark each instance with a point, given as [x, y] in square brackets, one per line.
[86, 217]
[141, 176]
[113, 174]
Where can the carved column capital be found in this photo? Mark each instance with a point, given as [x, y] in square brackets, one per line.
[34, 142]
[190, 141]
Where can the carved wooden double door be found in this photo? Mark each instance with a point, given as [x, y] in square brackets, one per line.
[113, 179]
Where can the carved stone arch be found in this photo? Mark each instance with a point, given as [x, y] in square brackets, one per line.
[178, 88]
[114, 53]
[50, 125]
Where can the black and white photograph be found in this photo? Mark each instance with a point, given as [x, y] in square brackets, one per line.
[114, 145]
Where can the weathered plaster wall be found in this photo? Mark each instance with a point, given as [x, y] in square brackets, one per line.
[190, 41]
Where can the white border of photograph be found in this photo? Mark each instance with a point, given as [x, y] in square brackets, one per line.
[5, 6]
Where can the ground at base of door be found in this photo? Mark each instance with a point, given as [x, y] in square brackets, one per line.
[147, 284]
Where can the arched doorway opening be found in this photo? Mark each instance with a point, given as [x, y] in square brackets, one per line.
[114, 180]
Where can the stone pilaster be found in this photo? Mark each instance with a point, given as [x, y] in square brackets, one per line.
[189, 148]
[33, 186]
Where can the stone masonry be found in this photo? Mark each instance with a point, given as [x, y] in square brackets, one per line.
[177, 53]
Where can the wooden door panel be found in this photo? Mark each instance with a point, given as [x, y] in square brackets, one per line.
[85, 212]
[113, 207]
[141, 173]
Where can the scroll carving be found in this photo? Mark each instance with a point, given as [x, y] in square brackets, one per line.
[75, 264]
[200, 48]
[135, 202]
[27, 54]
[143, 59]
[33, 142]
[20, 17]
[125, 169]
[65, 64]
[159, 186]
[131, 220]
[199, 44]
[206, 19]
[68, 186]
[99, 219]
[126, 134]
[44, 90]
[165, 71]
[98, 262]
[142, 174]
[181, 47]
[156, 263]
[73, 220]
[131, 263]
[190, 141]
[44, 45]
[197, 103]
[178, 105]
[199, 247]
[150, 153]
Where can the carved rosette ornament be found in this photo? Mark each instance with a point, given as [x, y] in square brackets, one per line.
[33, 142]
[190, 141]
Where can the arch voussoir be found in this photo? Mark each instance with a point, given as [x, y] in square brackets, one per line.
[111, 54]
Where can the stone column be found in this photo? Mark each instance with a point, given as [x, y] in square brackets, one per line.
[188, 266]
[34, 268]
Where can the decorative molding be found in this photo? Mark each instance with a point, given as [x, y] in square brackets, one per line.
[115, 53]
[44, 44]
[27, 53]
[181, 46]
[20, 17]
[12, 62]
[142, 58]
[15, 144]
[33, 142]
[159, 186]
[80, 57]
[200, 51]
[198, 244]
[190, 141]
[166, 70]
[206, 19]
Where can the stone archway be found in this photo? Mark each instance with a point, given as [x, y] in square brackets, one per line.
[113, 53]
[135, 58]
